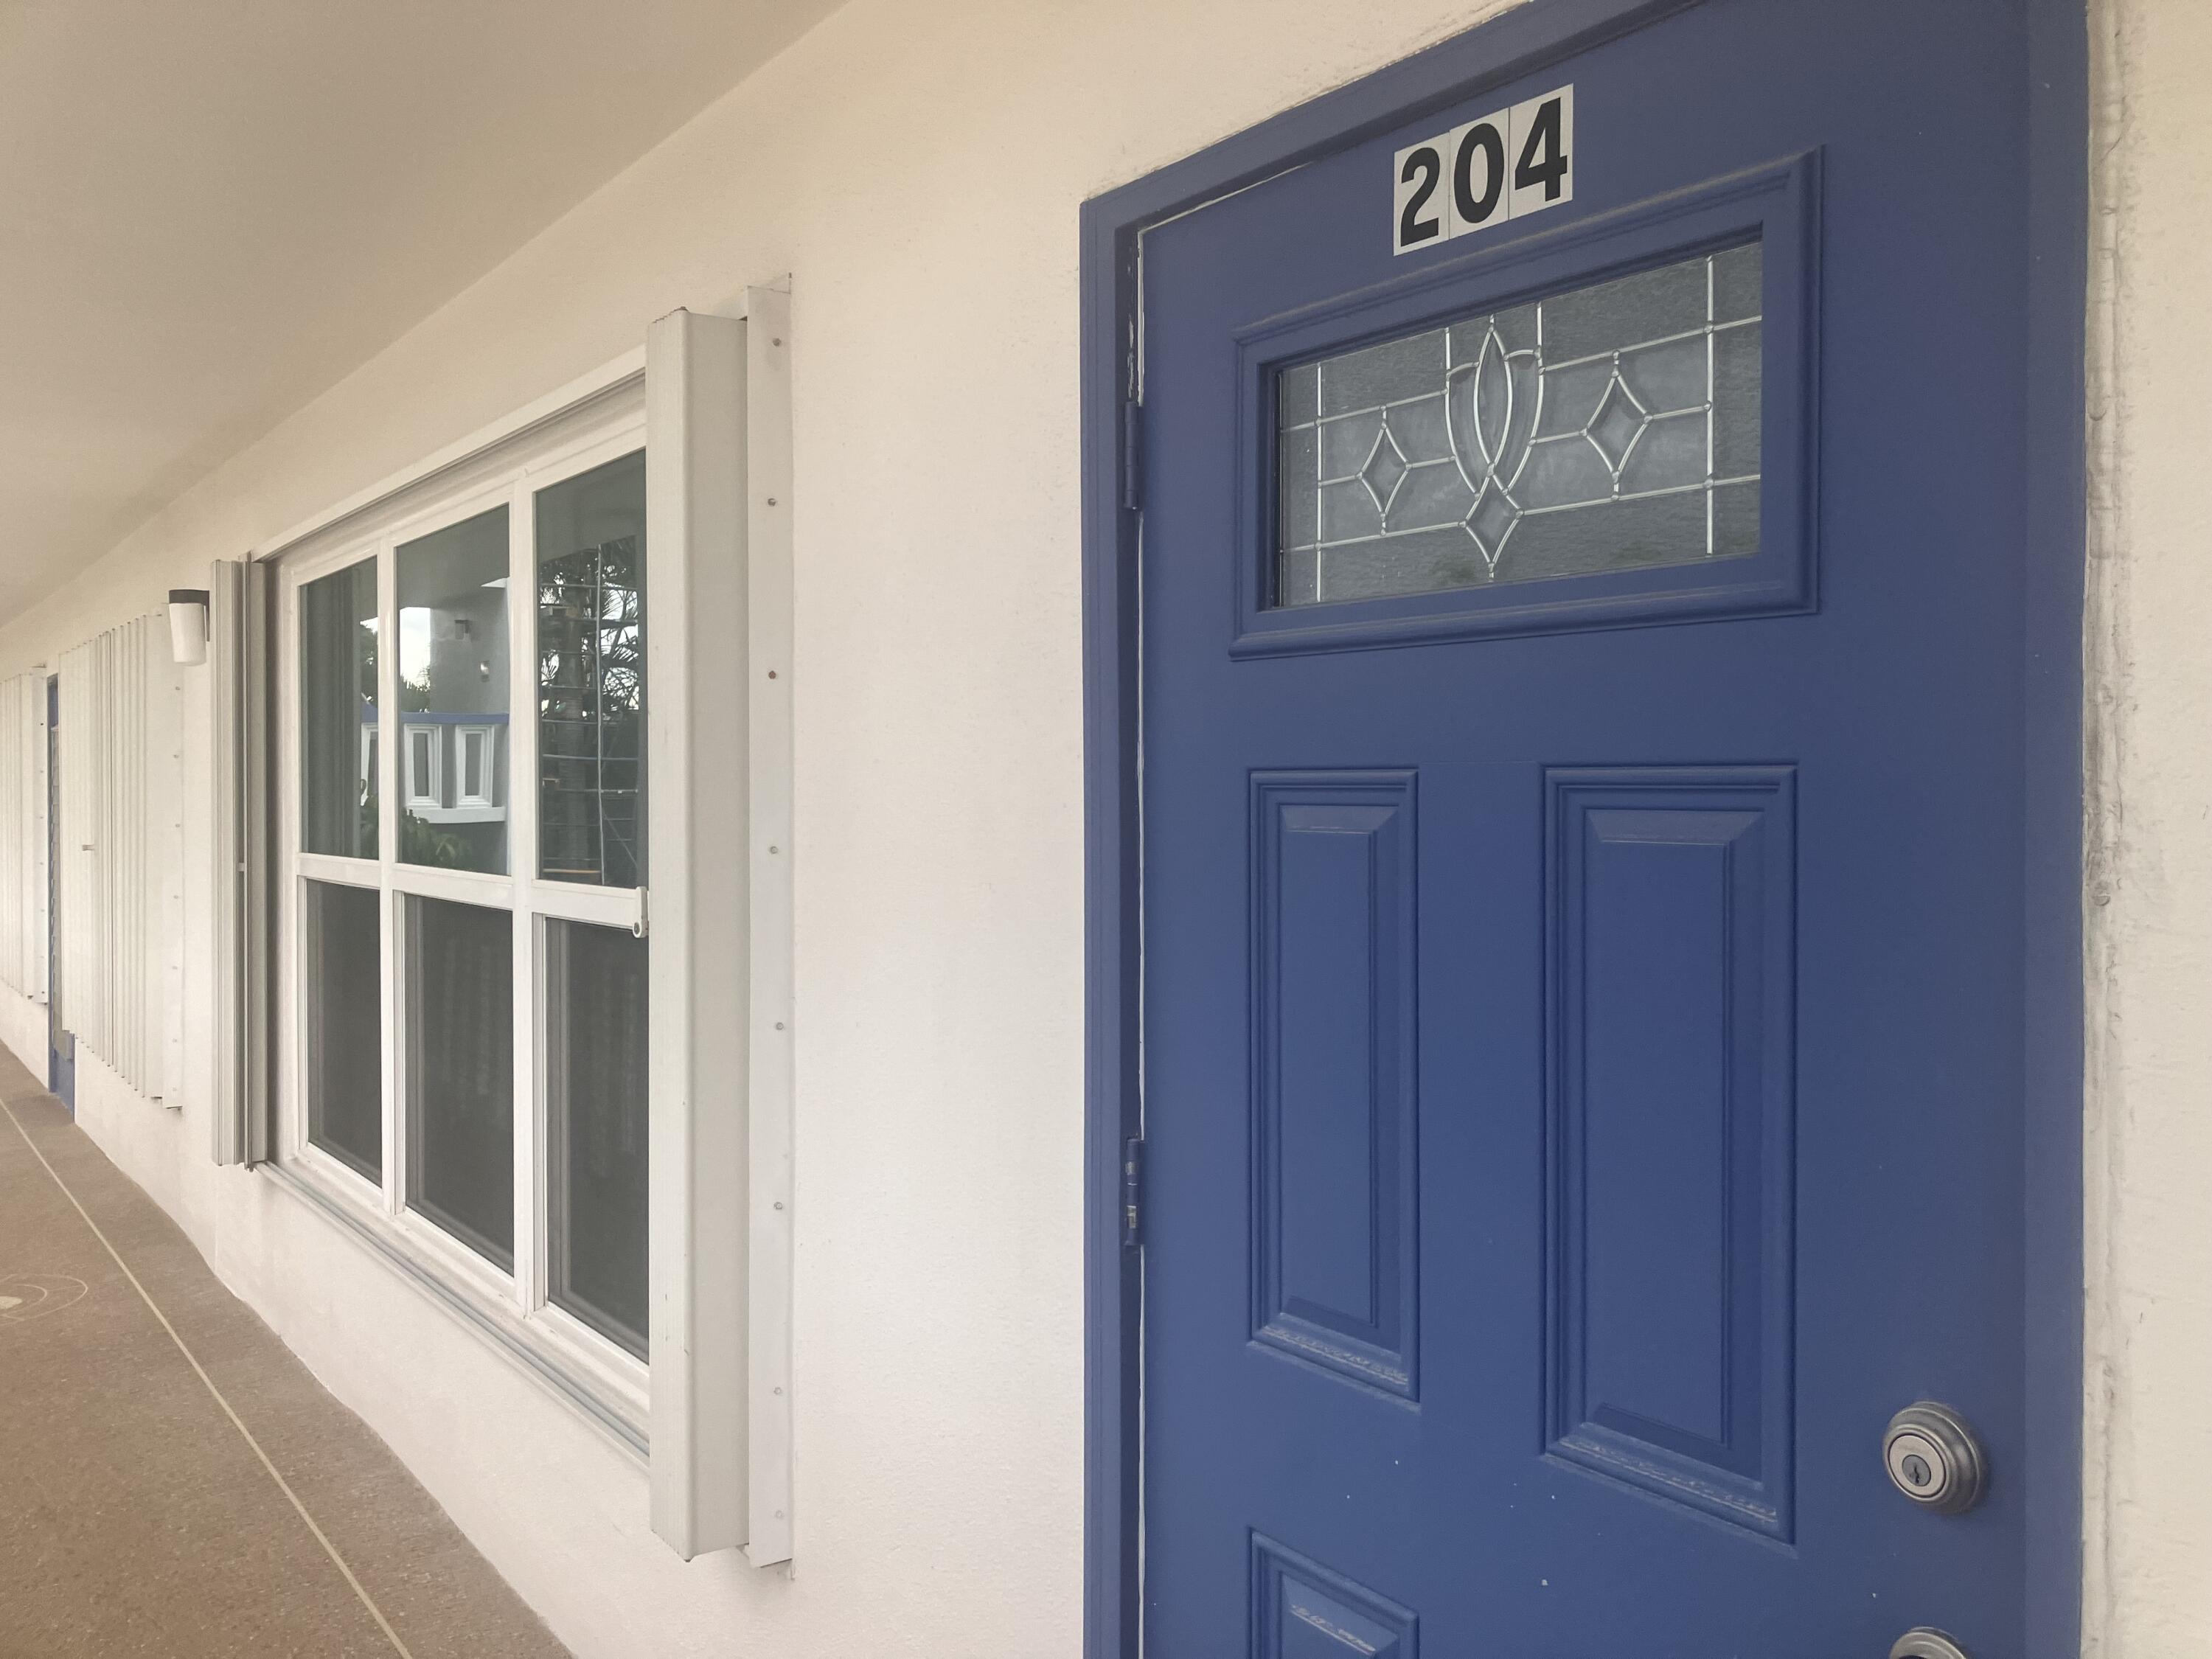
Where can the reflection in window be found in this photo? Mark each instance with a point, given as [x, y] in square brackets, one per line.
[475, 745]
[422, 794]
[1613, 427]
[344, 1014]
[460, 1072]
[338, 713]
[590, 676]
[454, 673]
[595, 1097]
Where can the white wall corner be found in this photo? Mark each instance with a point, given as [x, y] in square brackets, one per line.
[2147, 1446]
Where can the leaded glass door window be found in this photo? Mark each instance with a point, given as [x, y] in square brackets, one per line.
[1611, 427]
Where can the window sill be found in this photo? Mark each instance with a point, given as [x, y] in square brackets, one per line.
[556, 1352]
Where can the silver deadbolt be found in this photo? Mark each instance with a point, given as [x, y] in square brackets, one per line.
[1926, 1642]
[1934, 1459]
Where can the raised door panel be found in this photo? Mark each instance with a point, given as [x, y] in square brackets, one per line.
[1671, 1260]
[1332, 949]
[1302, 1610]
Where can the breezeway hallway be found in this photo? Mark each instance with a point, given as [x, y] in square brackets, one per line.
[174, 1483]
[1106, 829]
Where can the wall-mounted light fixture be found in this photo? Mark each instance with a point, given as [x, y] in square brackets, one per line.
[188, 624]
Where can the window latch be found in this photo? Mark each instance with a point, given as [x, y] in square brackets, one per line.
[643, 925]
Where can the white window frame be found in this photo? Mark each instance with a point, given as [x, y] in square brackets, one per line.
[511, 477]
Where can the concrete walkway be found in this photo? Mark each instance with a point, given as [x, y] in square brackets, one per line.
[172, 1482]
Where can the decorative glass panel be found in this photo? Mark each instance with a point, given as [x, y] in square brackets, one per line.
[460, 1072]
[344, 1014]
[338, 713]
[453, 672]
[595, 1097]
[590, 676]
[1614, 426]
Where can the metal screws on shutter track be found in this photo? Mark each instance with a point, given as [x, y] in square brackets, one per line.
[1933, 1458]
[1926, 1642]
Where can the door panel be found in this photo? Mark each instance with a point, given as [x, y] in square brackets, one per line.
[1334, 911]
[1671, 898]
[1581, 848]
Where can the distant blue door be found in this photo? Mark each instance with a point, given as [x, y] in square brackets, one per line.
[1582, 858]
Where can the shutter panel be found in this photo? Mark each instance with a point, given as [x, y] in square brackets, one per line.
[720, 859]
[695, 762]
[770, 1097]
[114, 715]
[241, 652]
[22, 833]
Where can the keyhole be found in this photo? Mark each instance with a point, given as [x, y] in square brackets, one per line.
[1917, 1472]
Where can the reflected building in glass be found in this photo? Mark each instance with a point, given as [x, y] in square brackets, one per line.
[453, 698]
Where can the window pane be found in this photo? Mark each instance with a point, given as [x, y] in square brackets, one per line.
[595, 1087]
[590, 676]
[453, 672]
[460, 1072]
[338, 713]
[1612, 427]
[344, 1019]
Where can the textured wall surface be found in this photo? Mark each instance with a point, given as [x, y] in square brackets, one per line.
[916, 169]
[2149, 909]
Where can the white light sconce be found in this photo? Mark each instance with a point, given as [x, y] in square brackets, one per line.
[188, 624]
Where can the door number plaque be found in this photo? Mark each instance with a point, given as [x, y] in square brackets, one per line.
[1506, 166]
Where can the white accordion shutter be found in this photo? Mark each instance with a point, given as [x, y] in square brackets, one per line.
[23, 834]
[718, 486]
[117, 749]
[240, 646]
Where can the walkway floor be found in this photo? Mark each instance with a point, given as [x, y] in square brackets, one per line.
[173, 1481]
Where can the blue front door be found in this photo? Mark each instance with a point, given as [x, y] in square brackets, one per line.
[1582, 857]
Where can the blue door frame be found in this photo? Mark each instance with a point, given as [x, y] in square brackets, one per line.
[1502, 50]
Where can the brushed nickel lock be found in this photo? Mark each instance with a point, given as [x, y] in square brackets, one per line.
[1934, 1459]
[1926, 1642]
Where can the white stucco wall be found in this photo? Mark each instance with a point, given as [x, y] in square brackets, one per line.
[2148, 1436]
[916, 169]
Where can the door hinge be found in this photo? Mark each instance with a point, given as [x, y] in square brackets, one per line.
[1133, 1192]
[1132, 481]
